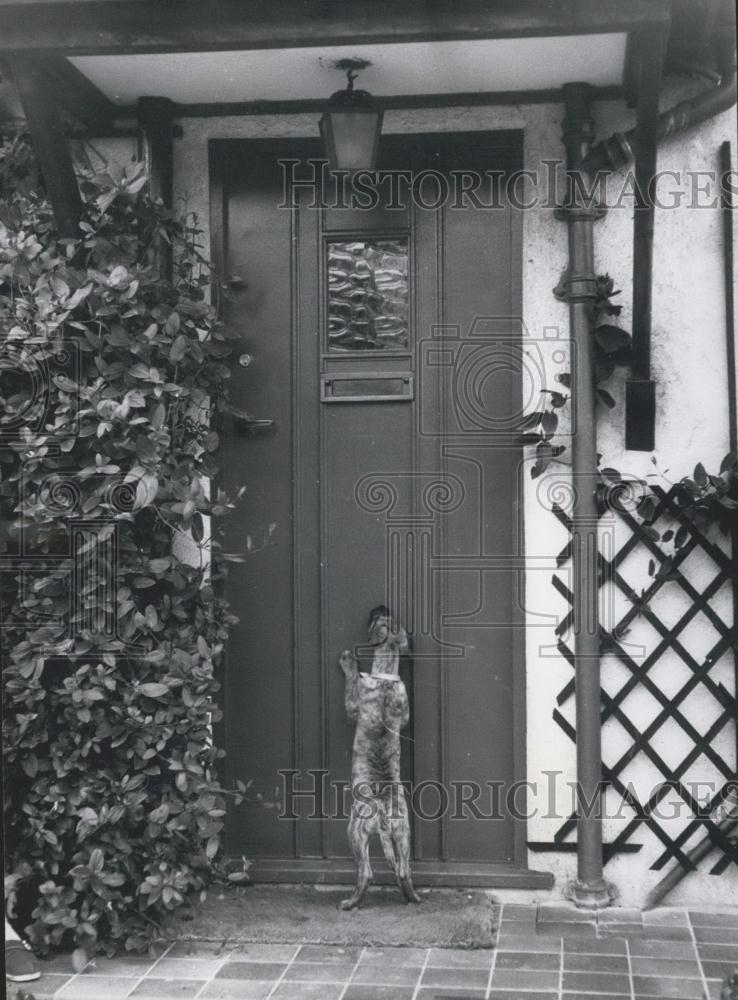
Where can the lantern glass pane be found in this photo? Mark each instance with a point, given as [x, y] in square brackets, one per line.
[354, 135]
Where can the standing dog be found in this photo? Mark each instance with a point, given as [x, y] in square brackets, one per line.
[378, 704]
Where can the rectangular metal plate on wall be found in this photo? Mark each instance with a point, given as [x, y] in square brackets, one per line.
[372, 387]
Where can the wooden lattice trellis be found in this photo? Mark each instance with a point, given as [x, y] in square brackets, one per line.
[671, 706]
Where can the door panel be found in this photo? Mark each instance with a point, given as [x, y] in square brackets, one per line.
[390, 473]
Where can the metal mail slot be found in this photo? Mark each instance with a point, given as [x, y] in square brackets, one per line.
[373, 387]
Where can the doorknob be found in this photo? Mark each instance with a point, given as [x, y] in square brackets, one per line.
[246, 360]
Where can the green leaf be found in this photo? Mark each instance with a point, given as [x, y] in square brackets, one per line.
[197, 527]
[523, 440]
[178, 349]
[154, 690]
[611, 338]
[531, 420]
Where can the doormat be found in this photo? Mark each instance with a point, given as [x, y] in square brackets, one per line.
[302, 914]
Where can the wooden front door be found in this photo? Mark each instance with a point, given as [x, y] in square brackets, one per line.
[383, 340]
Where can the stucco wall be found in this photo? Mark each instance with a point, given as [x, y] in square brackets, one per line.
[689, 366]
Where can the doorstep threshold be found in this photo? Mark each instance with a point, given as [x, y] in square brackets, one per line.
[449, 874]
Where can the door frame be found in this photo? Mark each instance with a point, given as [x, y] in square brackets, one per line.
[338, 871]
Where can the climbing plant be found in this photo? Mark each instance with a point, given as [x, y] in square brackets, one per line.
[112, 383]
[702, 499]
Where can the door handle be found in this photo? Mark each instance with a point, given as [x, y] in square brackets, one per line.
[245, 422]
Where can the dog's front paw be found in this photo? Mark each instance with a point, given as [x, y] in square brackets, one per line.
[348, 904]
[348, 663]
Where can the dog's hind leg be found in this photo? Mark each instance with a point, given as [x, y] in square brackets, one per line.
[400, 828]
[358, 834]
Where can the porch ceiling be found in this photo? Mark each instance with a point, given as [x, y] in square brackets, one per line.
[412, 69]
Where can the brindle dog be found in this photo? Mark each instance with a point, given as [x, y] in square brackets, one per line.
[378, 704]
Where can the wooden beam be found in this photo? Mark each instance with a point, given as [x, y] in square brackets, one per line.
[50, 144]
[396, 102]
[129, 26]
[78, 95]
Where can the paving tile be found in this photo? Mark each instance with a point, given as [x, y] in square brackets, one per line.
[311, 972]
[595, 963]
[719, 918]
[619, 915]
[198, 949]
[610, 983]
[433, 993]
[328, 953]
[718, 952]
[307, 991]
[525, 979]
[621, 930]
[522, 995]
[683, 989]
[650, 996]
[598, 946]
[566, 930]
[133, 967]
[519, 911]
[717, 935]
[719, 970]
[183, 989]
[236, 989]
[662, 949]
[472, 978]
[564, 913]
[251, 970]
[367, 992]
[586, 996]
[389, 975]
[394, 956]
[457, 958]
[263, 952]
[187, 968]
[661, 932]
[47, 985]
[714, 988]
[528, 960]
[666, 916]
[644, 965]
[521, 942]
[95, 988]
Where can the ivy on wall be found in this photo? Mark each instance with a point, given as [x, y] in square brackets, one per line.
[111, 385]
[703, 499]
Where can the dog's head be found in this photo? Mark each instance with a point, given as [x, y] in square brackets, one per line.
[383, 630]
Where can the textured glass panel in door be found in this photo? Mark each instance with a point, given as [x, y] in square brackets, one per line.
[368, 295]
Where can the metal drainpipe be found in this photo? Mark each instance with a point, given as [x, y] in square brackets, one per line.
[617, 150]
[590, 889]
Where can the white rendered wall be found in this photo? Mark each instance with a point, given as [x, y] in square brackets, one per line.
[688, 364]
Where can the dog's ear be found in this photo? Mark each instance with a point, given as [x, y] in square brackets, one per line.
[381, 611]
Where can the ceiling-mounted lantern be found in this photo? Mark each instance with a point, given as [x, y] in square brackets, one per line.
[350, 128]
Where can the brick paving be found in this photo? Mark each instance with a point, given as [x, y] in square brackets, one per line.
[545, 952]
